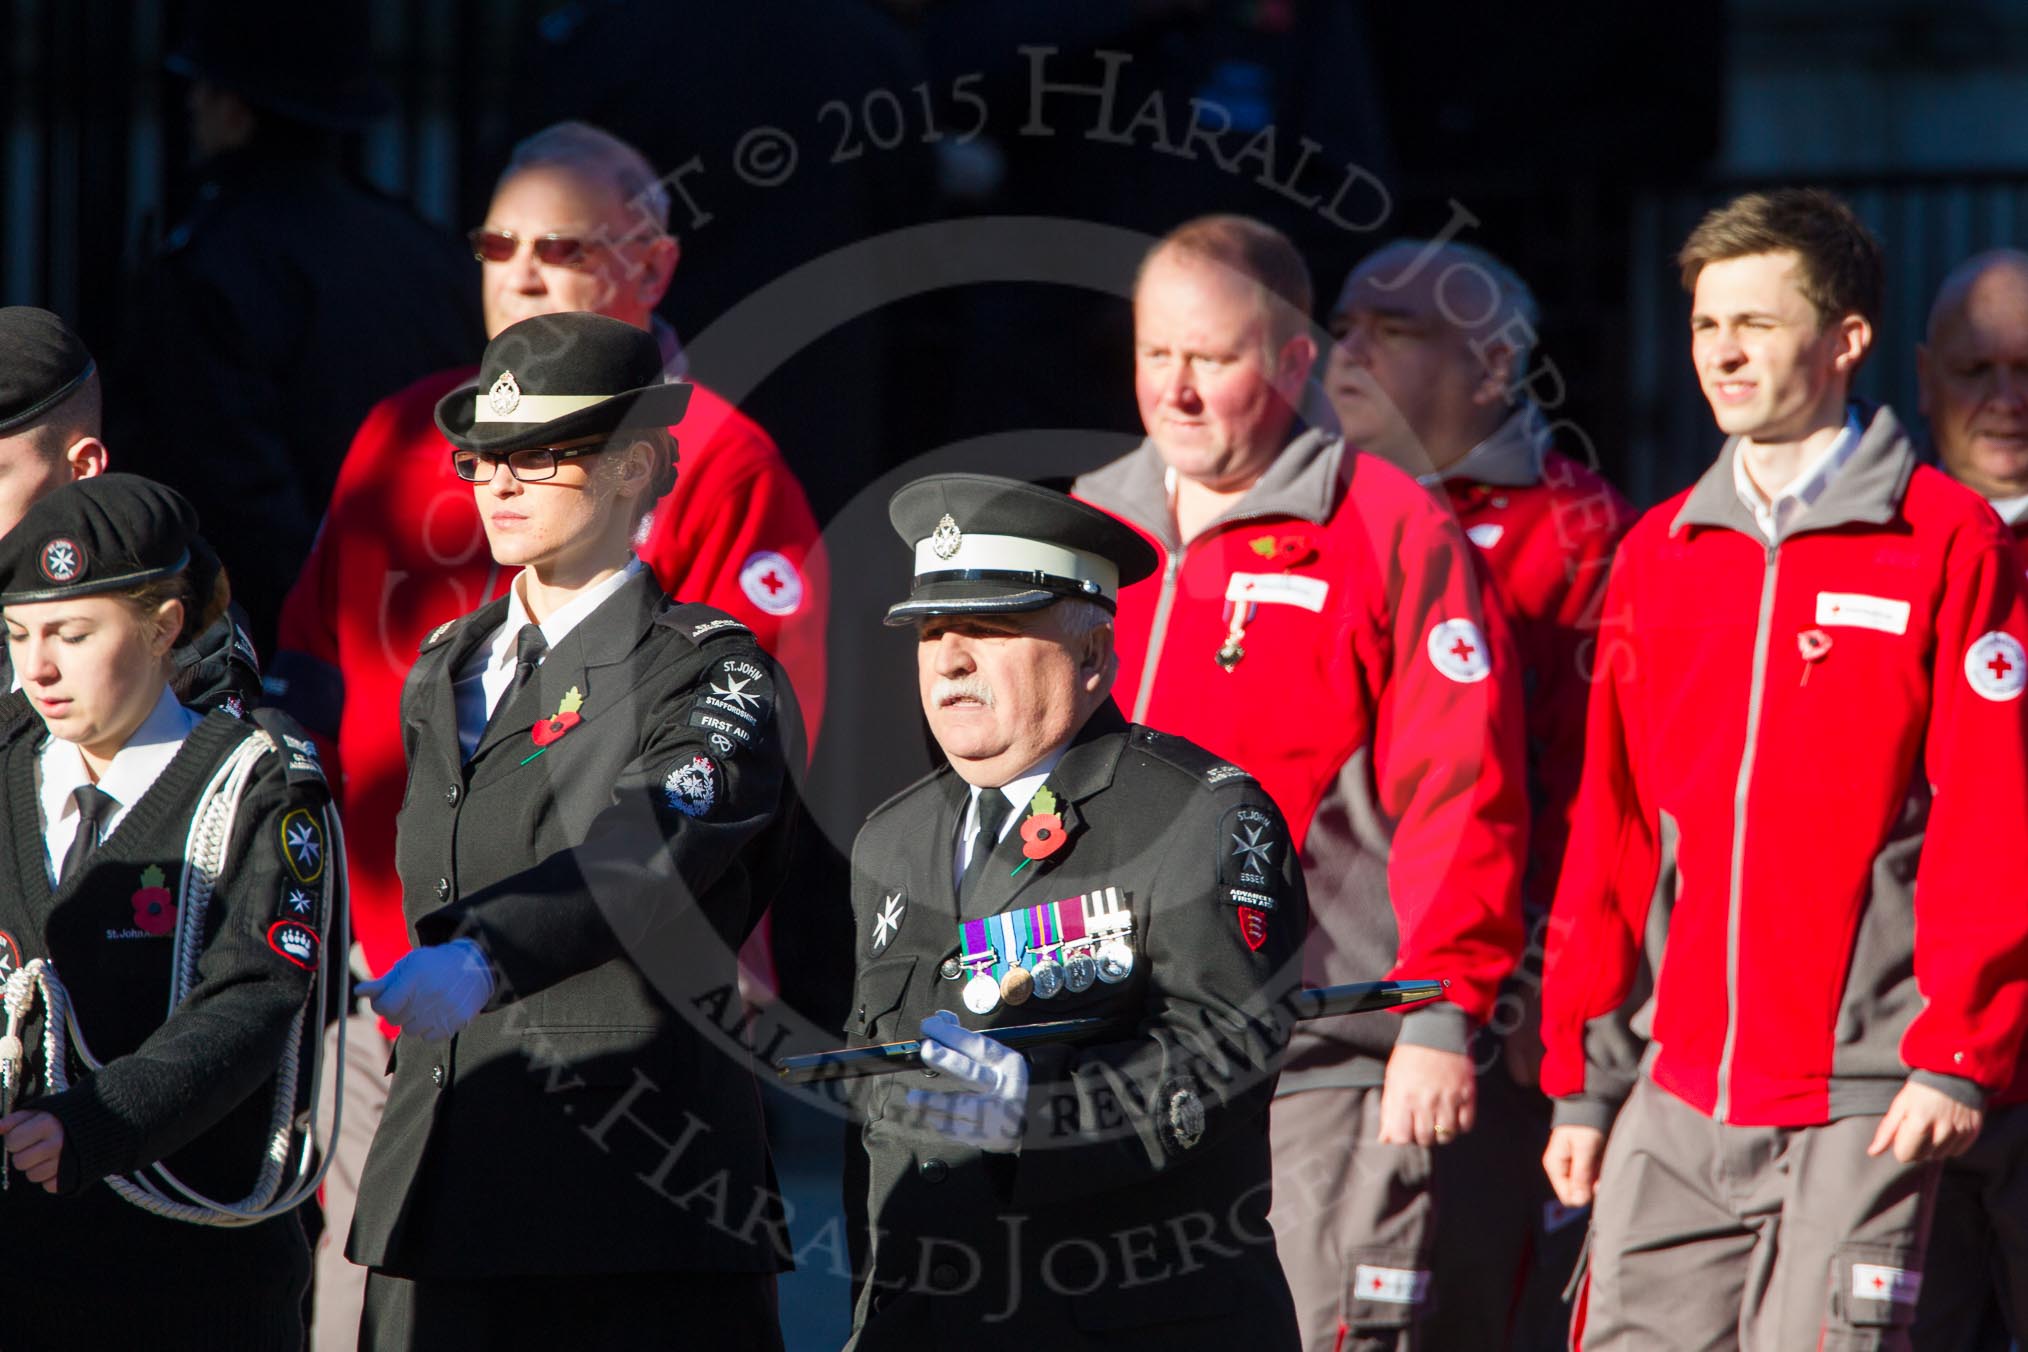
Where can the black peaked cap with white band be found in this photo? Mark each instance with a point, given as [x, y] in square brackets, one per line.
[101, 534]
[987, 545]
[42, 363]
[557, 378]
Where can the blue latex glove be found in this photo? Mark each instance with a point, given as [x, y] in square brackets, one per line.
[990, 1113]
[433, 992]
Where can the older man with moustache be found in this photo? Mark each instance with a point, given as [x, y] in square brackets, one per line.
[1972, 376]
[1107, 1192]
[1317, 620]
[578, 222]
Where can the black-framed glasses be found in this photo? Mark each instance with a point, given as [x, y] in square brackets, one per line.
[532, 464]
[557, 251]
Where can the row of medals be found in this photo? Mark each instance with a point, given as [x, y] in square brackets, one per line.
[1112, 963]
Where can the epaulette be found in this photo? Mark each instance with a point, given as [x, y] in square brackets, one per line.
[1187, 756]
[919, 783]
[299, 752]
[437, 636]
[700, 623]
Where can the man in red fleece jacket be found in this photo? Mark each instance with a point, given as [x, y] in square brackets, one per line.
[1845, 977]
[1431, 359]
[577, 222]
[1973, 379]
[1317, 621]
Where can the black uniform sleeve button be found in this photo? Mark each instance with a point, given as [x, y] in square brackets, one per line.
[451, 794]
[437, 1075]
[443, 889]
[933, 1171]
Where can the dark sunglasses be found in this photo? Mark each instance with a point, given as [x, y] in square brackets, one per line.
[531, 465]
[556, 251]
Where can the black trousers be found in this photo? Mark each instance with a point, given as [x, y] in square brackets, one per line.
[676, 1311]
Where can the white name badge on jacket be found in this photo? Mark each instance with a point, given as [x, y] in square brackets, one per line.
[1860, 611]
[1281, 589]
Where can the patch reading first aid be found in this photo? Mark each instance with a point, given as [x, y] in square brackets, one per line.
[1278, 589]
[1458, 651]
[1996, 667]
[1858, 611]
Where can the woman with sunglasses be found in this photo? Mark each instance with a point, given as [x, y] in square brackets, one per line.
[592, 827]
[185, 957]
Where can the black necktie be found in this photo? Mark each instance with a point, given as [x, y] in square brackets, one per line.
[529, 646]
[993, 811]
[95, 808]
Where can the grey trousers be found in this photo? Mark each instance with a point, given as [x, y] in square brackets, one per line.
[1353, 1222]
[1975, 1281]
[1709, 1236]
[338, 1285]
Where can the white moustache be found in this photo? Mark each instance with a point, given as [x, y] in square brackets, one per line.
[948, 690]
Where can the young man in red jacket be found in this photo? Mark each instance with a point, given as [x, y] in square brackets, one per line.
[1432, 352]
[1316, 621]
[1973, 379]
[578, 222]
[1809, 725]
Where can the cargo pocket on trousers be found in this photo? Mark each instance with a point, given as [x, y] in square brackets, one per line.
[1387, 1289]
[1873, 1291]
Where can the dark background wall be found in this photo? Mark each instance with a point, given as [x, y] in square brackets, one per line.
[1582, 139]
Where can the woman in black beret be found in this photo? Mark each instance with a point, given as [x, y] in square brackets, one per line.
[164, 875]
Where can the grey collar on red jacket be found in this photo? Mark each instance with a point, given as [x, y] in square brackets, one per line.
[1868, 489]
[1305, 481]
[1510, 458]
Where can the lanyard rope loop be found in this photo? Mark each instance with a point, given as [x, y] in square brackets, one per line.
[157, 1190]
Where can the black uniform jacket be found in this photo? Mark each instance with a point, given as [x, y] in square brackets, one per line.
[1134, 1213]
[595, 1118]
[193, 1088]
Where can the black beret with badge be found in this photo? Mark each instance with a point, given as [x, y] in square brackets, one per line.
[558, 378]
[42, 363]
[101, 534]
[988, 545]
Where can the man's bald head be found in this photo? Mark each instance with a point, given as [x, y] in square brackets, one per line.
[1973, 373]
[1432, 340]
